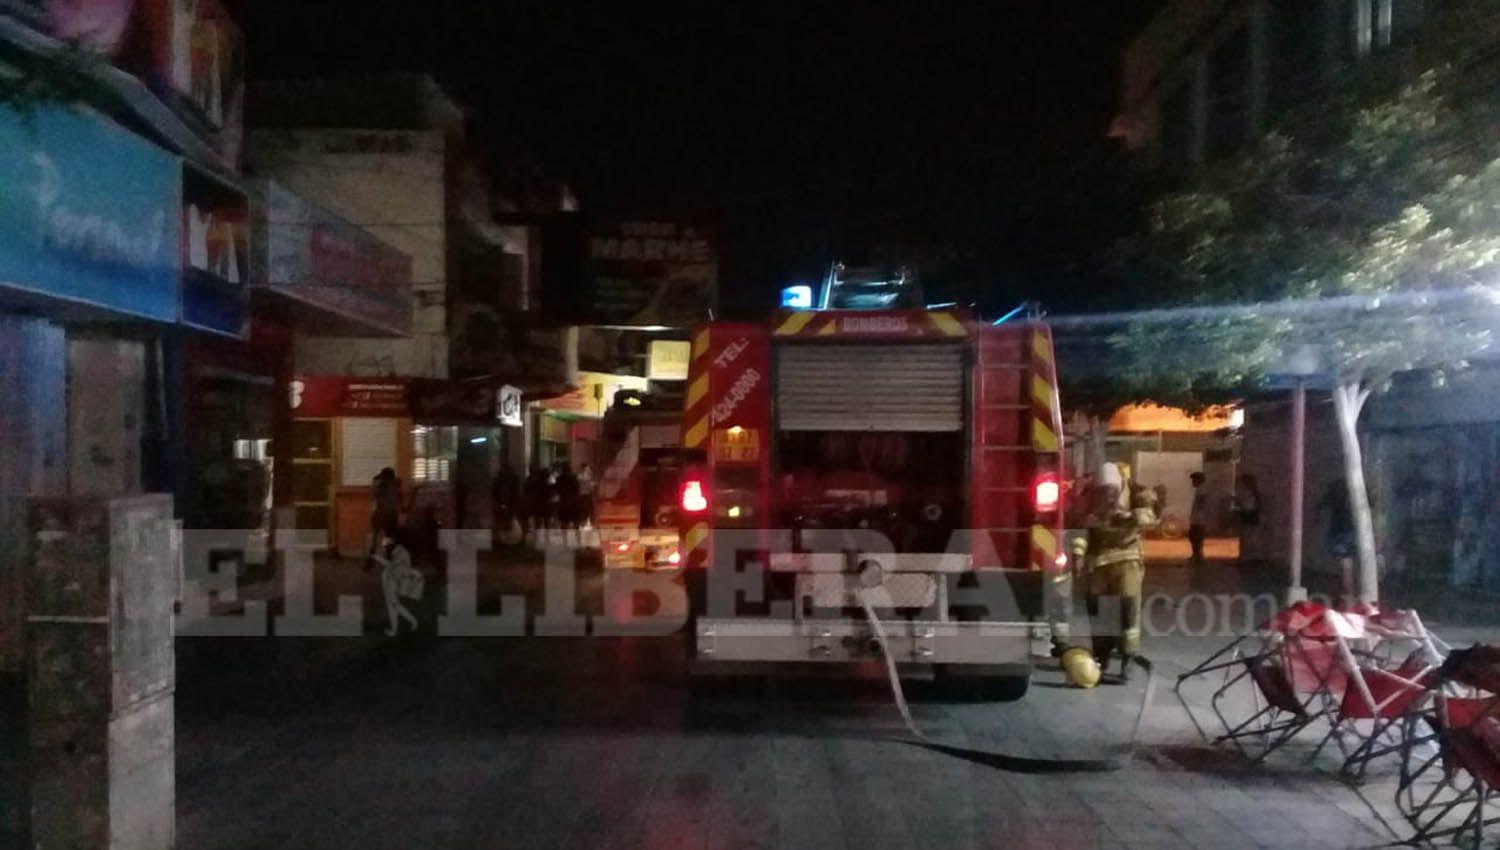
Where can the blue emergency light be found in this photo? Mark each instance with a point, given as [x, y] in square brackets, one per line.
[798, 297]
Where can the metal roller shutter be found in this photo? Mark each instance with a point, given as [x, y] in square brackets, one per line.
[870, 387]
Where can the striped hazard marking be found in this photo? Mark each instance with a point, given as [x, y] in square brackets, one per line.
[1043, 547]
[1045, 418]
[695, 545]
[695, 410]
[1046, 422]
[947, 324]
[794, 324]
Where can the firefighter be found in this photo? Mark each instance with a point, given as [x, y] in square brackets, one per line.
[1117, 565]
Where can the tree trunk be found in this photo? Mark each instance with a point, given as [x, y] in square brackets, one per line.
[1348, 400]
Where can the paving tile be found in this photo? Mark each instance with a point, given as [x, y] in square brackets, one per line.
[596, 744]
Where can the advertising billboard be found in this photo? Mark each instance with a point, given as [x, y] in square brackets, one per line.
[629, 272]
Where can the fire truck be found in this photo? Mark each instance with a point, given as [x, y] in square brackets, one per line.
[635, 497]
[871, 453]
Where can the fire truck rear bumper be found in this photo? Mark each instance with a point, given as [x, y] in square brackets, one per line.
[728, 642]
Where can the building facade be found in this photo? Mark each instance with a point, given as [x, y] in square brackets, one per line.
[389, 155]
[1207, 76]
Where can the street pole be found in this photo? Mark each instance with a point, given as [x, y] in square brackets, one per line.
[1296, 592]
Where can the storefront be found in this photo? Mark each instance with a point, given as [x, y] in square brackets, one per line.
[567, 425]
[232, 392]
[88, 287]
[226, 374]
[1435, 480]
[1439, 501]
[346, 430]
[317, 276]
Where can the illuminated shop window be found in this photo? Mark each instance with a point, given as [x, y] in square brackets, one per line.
[434, 452]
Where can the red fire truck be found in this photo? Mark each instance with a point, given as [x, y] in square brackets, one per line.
[909, 458]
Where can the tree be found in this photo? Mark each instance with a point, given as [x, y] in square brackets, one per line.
[1367, 225]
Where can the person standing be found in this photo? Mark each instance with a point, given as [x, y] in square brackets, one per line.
[1247, 500]
[1198, 517]
[586, 495]
[505, 495]
[538, 495]
[1339, 536]
[569, 507]
[1117, 565]
[385, 507]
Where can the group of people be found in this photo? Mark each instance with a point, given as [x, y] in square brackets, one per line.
[556, 498]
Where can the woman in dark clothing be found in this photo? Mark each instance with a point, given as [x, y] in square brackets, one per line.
[385, 507]
[568, 501]
[505, 504]
[1339, 536]
[538, 500]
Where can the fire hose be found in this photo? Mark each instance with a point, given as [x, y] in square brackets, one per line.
[1116, 757]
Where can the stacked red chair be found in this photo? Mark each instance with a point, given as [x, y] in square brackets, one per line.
[1450, 765]
[1362, 670]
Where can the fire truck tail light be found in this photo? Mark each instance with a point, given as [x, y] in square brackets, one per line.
[1048, 492]
[622, 547]
[693, 498]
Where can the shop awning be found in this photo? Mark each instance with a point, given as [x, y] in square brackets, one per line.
[429, 401]
[593, 394]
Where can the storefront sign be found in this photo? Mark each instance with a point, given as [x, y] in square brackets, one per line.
[668, 360]
[594, 395]
[193, 50]
[316, 258]
[89, 212]
[215, 254]
[508, 410]
[633, 272]
[317, 396]
[425, 400]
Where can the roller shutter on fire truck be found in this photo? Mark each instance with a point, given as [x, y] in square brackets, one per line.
[870, 386]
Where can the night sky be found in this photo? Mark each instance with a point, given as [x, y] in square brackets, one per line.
[806, 128]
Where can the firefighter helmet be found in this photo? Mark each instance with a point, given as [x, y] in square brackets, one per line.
[1081, 668]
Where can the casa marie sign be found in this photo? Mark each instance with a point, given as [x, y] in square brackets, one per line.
[90, 216]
